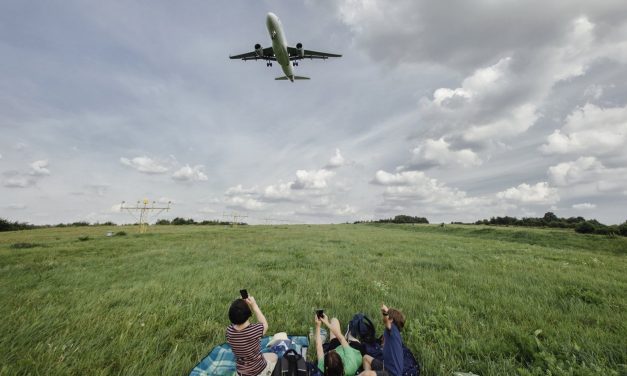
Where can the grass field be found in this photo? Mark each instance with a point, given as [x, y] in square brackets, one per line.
[492, 301]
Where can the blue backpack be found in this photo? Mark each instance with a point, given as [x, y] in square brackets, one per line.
[362, 328]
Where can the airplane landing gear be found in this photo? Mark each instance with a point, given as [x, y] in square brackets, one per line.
[268, 64]
[296, 63]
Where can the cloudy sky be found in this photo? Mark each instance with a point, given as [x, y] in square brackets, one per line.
[452, 110]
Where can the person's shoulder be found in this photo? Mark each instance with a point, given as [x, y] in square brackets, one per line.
[349, 350]
[256, 328]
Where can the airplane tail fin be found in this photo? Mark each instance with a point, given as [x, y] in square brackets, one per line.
[294, 78]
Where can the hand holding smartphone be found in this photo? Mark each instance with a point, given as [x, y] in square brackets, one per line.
[243, 293]
[320, 313]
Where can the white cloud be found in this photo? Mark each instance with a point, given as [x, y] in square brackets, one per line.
[503, 100]
[567, 173]
[518, 121]
[592, 130]
[117, 208]
[336, 161]
[190, 174]
[243, 203]
[316, 179]
[439, 153]
[584, 206]
[345, 210]
[207, 210]
[400, 179]
[278, 192]
[415, 187]
[39, 168]
[16, 207]
[19, 182]
[240, 190]
[469, 110]
[540, 193]
[145, 164]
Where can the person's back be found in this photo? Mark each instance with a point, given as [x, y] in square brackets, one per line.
[245, 339]
[247, 349]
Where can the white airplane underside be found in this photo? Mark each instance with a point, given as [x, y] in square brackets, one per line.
[280, 52]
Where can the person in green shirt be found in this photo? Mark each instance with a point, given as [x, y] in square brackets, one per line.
[343, 360]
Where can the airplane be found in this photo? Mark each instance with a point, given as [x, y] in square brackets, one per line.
[280, 52]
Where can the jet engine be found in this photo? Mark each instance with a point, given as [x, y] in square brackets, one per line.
[299, 47]
[258, 50]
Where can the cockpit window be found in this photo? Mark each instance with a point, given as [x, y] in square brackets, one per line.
[273, 34]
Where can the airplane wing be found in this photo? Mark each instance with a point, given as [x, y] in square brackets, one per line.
[268, 54]
[308, 54]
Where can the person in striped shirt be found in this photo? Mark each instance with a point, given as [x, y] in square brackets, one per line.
[244, 338]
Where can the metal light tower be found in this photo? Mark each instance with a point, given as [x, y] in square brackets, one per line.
[145, 209]
[236, 218]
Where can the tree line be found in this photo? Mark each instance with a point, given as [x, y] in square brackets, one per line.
[579, 224]
[189, 221]
[398, 219]
[6, 225]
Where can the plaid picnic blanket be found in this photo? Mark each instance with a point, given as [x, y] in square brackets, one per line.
[221, 360]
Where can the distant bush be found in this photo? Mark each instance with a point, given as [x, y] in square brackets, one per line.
[162, 222]
[585, 228]
[24, 245]
[182, 221]
[6, 225]
[398, 219]
[120, 233]
[622, 229]
[83, 238]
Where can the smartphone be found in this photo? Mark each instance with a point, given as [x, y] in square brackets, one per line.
[243, 293]
[320, 313]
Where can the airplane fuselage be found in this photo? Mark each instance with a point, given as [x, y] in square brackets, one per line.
[286, 56]
[279, 45]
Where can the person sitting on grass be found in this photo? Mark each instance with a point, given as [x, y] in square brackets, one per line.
[341, 359]
[244, 338]
[392, 364]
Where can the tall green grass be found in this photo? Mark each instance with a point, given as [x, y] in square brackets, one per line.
[492, 301]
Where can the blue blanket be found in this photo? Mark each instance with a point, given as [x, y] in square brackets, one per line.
[221, 360]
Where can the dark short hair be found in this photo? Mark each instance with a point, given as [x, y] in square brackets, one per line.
[239, 312]
[333, 365]
[398, 318]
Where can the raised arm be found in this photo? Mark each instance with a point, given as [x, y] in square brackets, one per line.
[386, 318]
[336, 331]
[258, 314]
[319, 350]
